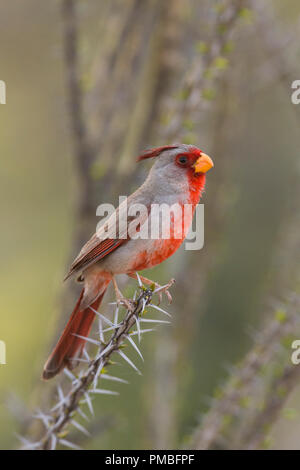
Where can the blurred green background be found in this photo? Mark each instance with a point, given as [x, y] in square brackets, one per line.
[251, 130]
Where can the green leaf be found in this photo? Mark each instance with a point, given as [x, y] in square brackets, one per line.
[226, 421]
[208, 94]
[188, 124]
[245, 402]
[280, 316]
[267, 442]
[208, 73]
[246, 14]
[202, 47]
[183, 94]
[219, 7]
[220, 63]
[228, 47]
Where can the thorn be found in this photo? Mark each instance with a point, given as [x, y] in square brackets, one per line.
[129, 361]
[46, 419]
[70, 375]
[82, 414]
[23, 439]
[69, 444]
[62, 399]
[113, 378]
[141, 331]
[114, 363]
[80, 427]
[80, 359]
[112, 328]
[101, 335]
[89, 340]
[81, 373]
[101, 391]
[149, 320]
[60, 393]
[86, 354]
[160, 310]
[106, 320]
[95, 381]
[103, 351]
[27, 445]
[144, 302]
[138, 327]
[60, 420]
[135, 347]
[139, 279]
[31, 446]
[53, 442]
[89, 403]
[116, 317]
[57, 406]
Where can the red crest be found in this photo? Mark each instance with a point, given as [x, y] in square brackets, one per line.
[155, 152]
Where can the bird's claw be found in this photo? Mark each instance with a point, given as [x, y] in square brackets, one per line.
[160, 290]
[127, 303]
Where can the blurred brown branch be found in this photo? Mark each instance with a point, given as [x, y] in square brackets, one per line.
[198, 84]
[241, 385]
[279, 393]
[82, 150]
[279, 48]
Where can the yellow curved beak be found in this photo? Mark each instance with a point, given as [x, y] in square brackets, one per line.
[203, 164]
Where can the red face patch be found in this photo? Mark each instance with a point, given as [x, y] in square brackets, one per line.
[187, 159]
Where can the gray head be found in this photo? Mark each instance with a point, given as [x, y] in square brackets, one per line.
[178, 164]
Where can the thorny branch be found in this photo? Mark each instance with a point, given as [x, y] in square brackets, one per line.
[280, 390]
[279, 48]
[82, 150]
[86, 383]
[209, 431]
[196, 88]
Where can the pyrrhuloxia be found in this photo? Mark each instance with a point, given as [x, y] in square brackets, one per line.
[177, 177]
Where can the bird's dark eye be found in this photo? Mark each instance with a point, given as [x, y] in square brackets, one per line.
[183, 160]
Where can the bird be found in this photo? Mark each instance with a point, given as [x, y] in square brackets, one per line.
[177, 177]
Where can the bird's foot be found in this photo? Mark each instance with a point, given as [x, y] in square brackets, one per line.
[127, 303]
[121, 300]
[160, 290]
